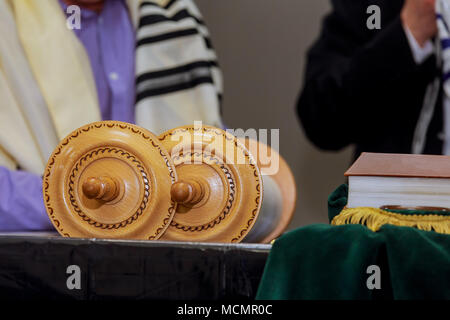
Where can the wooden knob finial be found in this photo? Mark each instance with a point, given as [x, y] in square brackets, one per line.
[102, 188]
[187, 192]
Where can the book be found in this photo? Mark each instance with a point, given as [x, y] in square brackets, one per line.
[400, 181]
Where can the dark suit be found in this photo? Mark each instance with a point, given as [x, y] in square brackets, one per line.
[363, 86]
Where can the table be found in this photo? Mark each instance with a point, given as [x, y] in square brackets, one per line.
[47, 266]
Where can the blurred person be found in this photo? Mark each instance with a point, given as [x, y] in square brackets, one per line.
[144, 62]
[377, 89]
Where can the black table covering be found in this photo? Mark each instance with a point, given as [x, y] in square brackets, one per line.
[34, 266]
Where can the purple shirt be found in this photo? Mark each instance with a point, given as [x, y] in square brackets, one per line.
[109, 40]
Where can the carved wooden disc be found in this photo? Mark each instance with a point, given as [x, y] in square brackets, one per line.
[110, 180]
[219, 182]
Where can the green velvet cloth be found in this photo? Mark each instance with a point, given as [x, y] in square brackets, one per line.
[324, 262]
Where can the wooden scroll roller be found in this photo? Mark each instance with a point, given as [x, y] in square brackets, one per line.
[116, 180]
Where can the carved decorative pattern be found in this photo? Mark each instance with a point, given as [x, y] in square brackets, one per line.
[251, 161]
[91, 157]
[250, 222]
[74, 135]
[230, 199]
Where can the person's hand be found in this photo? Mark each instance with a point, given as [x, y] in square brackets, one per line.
[419, 17]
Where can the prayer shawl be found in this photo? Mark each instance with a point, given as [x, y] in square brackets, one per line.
[443, 44]
[47, 87]
[443, 20]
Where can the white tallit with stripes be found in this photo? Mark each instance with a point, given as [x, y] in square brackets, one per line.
[43, 97]
[178, 79]
[443, 23]
[443, 62]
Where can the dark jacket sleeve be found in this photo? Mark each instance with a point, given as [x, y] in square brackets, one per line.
[350, 74]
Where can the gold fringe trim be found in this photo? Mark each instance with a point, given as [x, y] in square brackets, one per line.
[375, 218]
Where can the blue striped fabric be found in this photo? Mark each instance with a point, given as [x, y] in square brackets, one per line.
[445, 43]
[443, 23]
[441, 18]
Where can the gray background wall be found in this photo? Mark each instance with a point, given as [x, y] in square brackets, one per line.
[261, 46]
